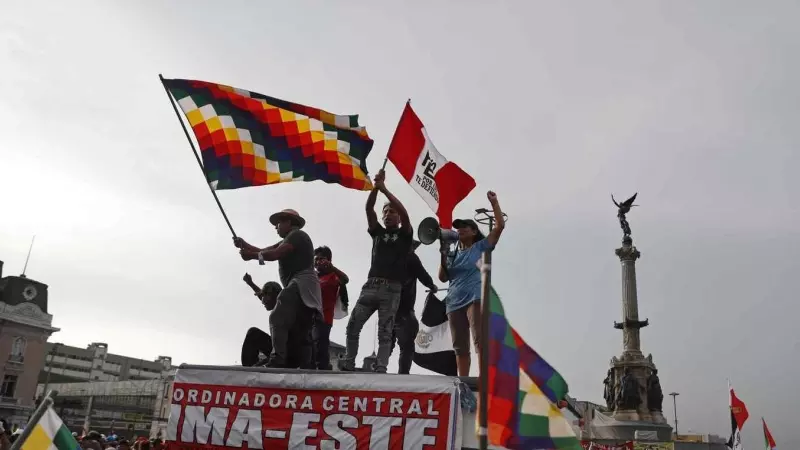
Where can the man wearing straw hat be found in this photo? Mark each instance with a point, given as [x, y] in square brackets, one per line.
[300, 298]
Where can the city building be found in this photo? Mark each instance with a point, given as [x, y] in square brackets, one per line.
[128, 408]
[25, 327]
[102, 391]
[68, 364]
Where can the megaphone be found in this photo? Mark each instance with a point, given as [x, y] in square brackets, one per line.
[429, 232]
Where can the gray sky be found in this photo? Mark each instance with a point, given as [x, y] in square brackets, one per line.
[554, 106]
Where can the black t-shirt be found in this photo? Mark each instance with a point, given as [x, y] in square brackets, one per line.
[390, 250]
[299, 259]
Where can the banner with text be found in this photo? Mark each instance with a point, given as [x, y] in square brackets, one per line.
[215, 409]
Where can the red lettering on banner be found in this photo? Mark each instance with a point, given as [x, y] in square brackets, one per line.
[215, 417]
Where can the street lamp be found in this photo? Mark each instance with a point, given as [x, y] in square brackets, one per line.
[675, 410]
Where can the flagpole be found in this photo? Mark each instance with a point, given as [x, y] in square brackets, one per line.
[46, 403]
[483, 354]
[196, 156]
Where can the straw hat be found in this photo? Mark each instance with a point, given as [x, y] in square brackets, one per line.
[290, 214]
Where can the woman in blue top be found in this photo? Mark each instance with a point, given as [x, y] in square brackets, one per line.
[460, 268]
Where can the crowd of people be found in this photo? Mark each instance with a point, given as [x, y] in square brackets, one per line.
[92, 440]
[97, 441]
[303, 305]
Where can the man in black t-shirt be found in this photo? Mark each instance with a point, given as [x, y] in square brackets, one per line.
[300, 298]
[391, 245]
[406, 325]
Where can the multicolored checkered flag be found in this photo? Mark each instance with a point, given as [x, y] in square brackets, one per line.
[249, 139]
[524, 392]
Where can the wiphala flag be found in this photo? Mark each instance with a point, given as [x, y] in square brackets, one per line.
[50, 433]
[249, 139]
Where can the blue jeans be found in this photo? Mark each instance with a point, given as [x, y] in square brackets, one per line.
[378, 295]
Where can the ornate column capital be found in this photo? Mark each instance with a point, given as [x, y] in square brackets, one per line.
[628, 253]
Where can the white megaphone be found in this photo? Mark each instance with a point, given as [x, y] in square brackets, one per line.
[429, 231]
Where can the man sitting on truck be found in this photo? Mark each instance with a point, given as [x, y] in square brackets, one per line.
[301, 297]
[258, 342]
[406, 325]
[391, 245]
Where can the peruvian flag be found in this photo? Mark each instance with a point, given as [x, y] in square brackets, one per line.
[439, 182]
[769, 443]
[739, 415]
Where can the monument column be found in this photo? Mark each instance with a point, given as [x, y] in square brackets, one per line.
[630, 325]
[632, 389]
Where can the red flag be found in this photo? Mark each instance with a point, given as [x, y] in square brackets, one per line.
[439, 182]
[769, 443]
[739, 415]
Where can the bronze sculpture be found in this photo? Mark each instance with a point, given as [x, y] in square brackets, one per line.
[608, 390]
[622, 209]
[628, 396]
[655, 397]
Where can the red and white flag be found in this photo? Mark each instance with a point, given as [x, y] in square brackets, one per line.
[739, 415]
[441, 183]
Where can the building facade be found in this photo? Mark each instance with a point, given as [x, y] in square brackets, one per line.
[25, 327]
[68, 364]
[127, 408]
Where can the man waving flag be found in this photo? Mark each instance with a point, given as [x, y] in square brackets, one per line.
[439, 182]
[739, 415]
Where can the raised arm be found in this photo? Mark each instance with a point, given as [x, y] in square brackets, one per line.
[372, 217]
[499, 221]
[401, 210]
[249, 281]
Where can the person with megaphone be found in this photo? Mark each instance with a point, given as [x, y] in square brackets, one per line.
[460, 268]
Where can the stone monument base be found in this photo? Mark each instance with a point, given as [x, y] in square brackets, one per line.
[655, 417]
[622, 431]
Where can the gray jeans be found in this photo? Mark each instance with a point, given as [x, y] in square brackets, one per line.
[376, 295]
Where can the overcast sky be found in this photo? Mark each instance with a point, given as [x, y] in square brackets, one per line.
[693, 104]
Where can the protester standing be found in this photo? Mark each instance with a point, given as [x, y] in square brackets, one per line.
[460, 268]
[406, 325]
[332, 283]
[391, 245]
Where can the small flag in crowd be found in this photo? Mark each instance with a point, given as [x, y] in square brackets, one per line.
[440, 183]
[50, 433]
[249, 139]
[524, 392]
[739, 415]
[769, 443]
[433, 347]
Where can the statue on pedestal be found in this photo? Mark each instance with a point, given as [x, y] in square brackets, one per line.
[628, 396]
[655, 397]
[622, 209]
[609, 392]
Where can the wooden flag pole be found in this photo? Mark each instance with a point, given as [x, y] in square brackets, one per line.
[196, 156]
